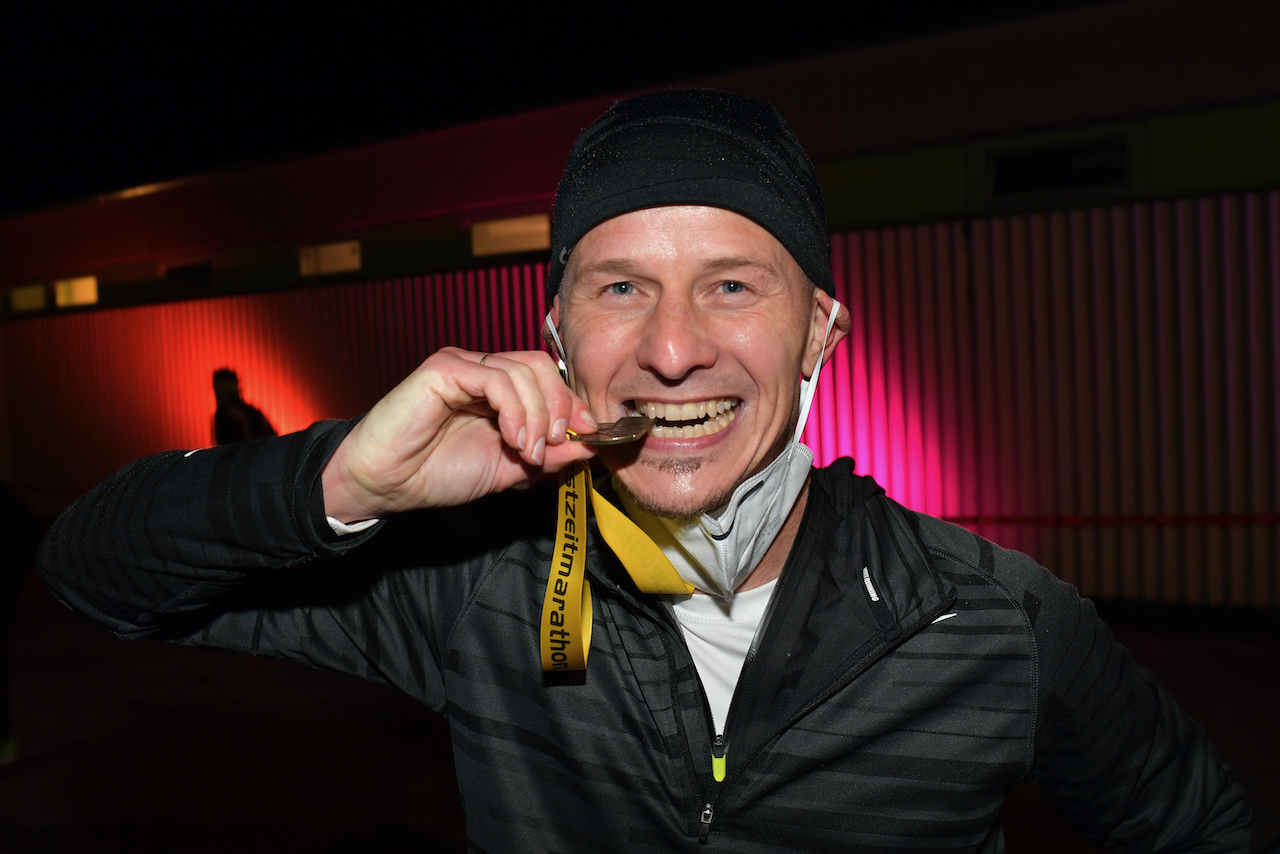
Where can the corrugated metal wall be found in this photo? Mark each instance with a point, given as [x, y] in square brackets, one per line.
[1098, 388]
[87, 392]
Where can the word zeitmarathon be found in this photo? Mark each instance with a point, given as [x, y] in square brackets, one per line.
[566, 609]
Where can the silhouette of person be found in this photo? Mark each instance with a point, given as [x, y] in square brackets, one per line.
[235, 420]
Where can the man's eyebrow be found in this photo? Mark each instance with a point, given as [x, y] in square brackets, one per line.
[615, 266]
[737, 262]
[628, 267]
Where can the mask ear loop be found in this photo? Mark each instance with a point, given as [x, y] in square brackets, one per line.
[808, 387]
[560, 354]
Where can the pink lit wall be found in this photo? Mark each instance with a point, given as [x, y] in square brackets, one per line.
[1099, 388]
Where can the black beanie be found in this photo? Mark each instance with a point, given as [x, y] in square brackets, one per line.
[693, 147]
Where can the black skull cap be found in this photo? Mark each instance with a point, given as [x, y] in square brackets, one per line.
[693, 147]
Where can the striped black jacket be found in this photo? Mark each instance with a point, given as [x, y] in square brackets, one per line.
[910, 673]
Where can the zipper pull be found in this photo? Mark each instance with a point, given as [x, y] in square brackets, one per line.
[705, 818]
[718, 762]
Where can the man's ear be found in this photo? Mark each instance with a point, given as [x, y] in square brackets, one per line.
[823, 305]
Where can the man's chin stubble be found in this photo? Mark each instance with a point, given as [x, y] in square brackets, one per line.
[684, 467]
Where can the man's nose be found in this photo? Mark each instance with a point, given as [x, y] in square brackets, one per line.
[675, 339]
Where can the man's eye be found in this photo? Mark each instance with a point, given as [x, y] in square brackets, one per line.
[732, 287]
[622, 288]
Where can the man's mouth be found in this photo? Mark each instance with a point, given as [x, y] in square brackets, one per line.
[688, 420]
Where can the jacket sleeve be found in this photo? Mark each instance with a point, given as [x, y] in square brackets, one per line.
[1113, 751]
[228, 547]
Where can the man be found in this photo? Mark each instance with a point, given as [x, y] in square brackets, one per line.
[235, 420]
[848, 675]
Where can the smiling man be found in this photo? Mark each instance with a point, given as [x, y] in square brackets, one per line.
[675, 310]
[780, 657]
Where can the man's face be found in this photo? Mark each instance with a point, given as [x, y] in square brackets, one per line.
[704, 316]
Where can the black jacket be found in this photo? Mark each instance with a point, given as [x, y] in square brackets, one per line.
[910, 674]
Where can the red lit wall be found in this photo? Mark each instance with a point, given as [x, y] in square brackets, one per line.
[88, 392]
[1099, 388]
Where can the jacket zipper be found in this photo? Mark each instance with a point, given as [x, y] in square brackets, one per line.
[708, 812]
[672, 626]
[720, 742]
[718, 745]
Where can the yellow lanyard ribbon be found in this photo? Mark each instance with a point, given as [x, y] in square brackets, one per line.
[566, 607]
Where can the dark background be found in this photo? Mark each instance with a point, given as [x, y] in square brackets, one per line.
[99, 98]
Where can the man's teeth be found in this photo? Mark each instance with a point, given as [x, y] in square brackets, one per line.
[707, 417]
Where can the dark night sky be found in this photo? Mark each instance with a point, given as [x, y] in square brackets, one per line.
[102, 99]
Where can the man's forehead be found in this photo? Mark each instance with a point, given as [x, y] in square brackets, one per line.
[713, 240]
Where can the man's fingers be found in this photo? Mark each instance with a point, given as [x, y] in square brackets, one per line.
[511, 389]
[548, 407]
[566, 453]
[565, 409]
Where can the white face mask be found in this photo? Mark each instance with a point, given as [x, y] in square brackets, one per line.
[715, 552]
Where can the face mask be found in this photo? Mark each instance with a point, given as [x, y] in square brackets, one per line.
[715, 552]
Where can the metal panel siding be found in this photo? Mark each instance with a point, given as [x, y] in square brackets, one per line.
[1098, 388]
[87, 392]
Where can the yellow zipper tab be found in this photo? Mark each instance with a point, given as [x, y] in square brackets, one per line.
[717, 767]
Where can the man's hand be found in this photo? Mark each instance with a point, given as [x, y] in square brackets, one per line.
[456, 430]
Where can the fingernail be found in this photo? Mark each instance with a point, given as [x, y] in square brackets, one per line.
[520, 438]
[560, 429]
[590, 419]
[538, 449]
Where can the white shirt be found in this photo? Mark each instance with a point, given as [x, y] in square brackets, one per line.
[719, 635]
